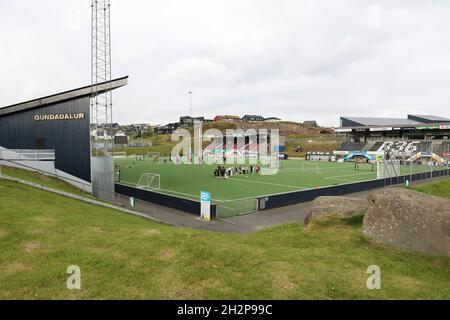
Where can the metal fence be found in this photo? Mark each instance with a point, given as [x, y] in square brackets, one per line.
[233, 208]
[293, 198]
[112, 146]
[181, 204]
[27, 154]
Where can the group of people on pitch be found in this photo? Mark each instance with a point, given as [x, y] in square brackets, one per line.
[226, 172]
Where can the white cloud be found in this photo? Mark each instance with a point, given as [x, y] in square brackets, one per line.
[297, 59]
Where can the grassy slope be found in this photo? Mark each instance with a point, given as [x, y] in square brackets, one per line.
[160, 143]
[440, 188]
[41, 179]
[121, 256]
[163, 144]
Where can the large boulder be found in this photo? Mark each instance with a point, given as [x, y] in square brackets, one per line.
[409, 220]
[341, 206]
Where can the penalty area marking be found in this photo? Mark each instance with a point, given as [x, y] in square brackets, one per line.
[169, 192]
[347, 175]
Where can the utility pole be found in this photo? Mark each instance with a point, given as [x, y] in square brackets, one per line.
[190, 103]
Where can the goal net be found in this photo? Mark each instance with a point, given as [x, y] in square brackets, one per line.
[149, 181]
[388, 169]
[312, 167]
[364, 166]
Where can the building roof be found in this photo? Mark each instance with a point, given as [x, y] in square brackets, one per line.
[229, 117]
[64, 96]
[252, 116]
[364, 121]
[427, 118]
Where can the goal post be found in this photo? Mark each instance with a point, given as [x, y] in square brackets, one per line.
[312, 167]
[149, 181]
[388, 169]
[364, 166]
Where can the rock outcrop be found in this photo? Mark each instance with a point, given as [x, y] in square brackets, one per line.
[342, 206]
[409, 220]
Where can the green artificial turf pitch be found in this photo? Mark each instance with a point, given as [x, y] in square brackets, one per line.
[187, 181]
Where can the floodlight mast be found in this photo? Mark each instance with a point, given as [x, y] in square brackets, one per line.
[101, 71]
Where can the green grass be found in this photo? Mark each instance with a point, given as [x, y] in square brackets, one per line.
[187, 181]
[40, 179]
[160, 143]
[124, 257]
[314, 146]
[440, 188]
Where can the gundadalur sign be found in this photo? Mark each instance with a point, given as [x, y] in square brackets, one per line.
[62, 116]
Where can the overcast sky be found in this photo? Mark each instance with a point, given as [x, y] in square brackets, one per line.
[294, 59]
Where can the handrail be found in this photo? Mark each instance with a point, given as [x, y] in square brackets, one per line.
[28, 154]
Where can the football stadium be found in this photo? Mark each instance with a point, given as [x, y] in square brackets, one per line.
[71, 135]
[226, 206]
[240, 193]
[52, 136]
[244, 190]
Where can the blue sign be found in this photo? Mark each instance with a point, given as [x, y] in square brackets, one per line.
[205, 197]
[205, 207]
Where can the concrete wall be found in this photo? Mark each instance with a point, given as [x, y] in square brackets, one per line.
[103, 178]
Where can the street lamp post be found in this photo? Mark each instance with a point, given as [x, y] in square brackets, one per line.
[190, 103]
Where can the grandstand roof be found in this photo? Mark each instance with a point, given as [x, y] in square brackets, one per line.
[427, 118]
[367, 122]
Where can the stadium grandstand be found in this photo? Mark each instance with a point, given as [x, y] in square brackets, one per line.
[419, 138]
[238, 145]
[414, 127]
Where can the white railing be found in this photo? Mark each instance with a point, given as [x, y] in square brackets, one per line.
[27, 155]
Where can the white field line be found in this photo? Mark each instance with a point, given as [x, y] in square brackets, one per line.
[340, 178]
[165, 191]
[168, 192]
[321, 169]
[296, 188]
[349, 175]
[270, 183]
